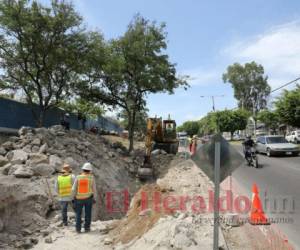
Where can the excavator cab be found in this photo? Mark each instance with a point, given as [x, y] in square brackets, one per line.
[169, 130]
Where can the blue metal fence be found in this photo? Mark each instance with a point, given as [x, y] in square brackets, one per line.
[15, 114]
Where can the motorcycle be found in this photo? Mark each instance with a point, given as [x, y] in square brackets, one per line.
[251, 157]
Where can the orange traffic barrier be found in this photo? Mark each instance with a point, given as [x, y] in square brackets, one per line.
[257, 215]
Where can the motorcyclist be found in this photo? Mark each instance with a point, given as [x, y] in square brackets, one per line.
[248, 144]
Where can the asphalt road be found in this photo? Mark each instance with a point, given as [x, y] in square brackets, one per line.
[278, 176]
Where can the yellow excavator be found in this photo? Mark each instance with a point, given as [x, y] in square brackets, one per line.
[161, 134]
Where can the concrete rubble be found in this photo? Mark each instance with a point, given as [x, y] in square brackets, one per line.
[29, 165]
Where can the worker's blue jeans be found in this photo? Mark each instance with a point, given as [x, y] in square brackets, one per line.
[87, 205]
[64, 211]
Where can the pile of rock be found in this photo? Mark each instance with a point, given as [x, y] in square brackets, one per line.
[29, 165]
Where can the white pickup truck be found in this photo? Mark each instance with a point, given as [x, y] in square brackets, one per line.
[293, 136]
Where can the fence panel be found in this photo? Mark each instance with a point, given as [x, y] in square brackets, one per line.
[15, 114]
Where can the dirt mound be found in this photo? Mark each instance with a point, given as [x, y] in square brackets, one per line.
[141, 217]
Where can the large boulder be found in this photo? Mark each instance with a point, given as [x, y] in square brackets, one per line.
[3, 161]
[36, 158]
[74, 164]
[27, 148]
[36, 142]
[8, 145]
[12, 168]
[57, 130]
[43, 169]
[41, 131]
[24, 206]
[55, 162]
[24, 130]
[23, 172]
[43, 149]
[3, 151]
[18, 156]
[5, 169]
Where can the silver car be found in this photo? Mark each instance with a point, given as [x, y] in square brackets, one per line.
[275, 145]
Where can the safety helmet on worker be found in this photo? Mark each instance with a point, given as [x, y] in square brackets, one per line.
[66, 168]
[87, 166]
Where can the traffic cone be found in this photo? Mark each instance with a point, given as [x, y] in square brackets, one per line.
[257, 216]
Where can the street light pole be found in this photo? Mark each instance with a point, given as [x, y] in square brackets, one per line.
[213, 100]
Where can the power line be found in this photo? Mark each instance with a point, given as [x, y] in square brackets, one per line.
[284, 85]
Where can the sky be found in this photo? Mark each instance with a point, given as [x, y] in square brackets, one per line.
[204, 37]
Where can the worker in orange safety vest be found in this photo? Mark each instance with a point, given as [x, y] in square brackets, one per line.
[84, 190]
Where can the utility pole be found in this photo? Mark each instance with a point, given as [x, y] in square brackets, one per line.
[213, 100]
[254, 101]
[216, 180]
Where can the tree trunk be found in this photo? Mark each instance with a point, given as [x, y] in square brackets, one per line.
[231, 136]
[41, 117]
[131, 126]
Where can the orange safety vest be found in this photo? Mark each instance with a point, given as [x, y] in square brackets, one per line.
[84, 186]
[64, 185]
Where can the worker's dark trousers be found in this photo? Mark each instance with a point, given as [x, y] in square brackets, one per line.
[87, 205]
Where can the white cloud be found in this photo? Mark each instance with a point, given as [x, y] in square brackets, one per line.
[278, 50]
[201, 77]
[192, 117]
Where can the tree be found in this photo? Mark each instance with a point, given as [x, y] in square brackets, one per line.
[269, 118]
[207, 124]
[250, 85]
[136, 66]
[231, 120]
[140, 120]
[42, 51]
[84, 108]
[288, 107]
[241, 119]
[190, 127]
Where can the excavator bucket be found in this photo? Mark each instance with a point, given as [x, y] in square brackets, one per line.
[146, 171]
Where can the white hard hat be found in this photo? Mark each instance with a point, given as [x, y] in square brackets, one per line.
[87, 166]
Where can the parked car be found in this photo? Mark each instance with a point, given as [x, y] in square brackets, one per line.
[275, 145]
[293, 136]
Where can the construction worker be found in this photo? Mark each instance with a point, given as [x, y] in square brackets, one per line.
[63, 187]
[194, 144]
[84, 190]
[190, 140]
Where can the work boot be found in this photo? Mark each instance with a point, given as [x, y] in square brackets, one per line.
[87, 230]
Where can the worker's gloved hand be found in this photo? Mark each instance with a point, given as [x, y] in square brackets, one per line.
[94, 201]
